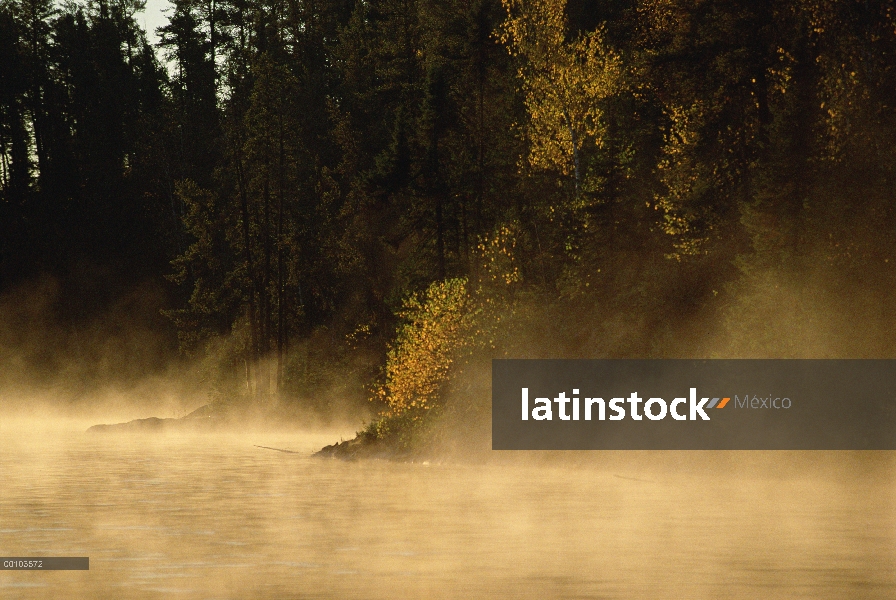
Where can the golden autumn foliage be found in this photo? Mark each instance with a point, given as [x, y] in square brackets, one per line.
[445, 325]
[437, 326]
[563, 81]
[683, 178]
[498, 256]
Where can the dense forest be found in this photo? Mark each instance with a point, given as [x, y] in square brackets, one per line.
[390, 192]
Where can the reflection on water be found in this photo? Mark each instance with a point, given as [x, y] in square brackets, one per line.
[215, 517]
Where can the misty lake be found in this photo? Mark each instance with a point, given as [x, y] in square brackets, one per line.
[212, 516]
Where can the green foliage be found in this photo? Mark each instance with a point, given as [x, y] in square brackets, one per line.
[340, 186]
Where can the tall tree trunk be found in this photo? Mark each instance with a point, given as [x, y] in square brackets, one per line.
[440, 234]
[281, 334]
[480, 150]
[266, 295]
[252, 368]
[37, 109]
[19, 171]
[575, 151]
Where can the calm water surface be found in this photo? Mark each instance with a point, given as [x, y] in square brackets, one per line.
[211, 516]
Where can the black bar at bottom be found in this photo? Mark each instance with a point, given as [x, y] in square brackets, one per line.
[41, 563]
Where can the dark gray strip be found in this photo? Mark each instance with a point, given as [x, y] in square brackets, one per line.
[41, 563]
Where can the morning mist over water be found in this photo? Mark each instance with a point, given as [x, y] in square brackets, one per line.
[255, 265]
[211, 516]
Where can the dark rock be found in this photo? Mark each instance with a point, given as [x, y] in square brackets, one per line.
[364, 445]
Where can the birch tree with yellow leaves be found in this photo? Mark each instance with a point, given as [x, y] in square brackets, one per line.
[564, 83]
